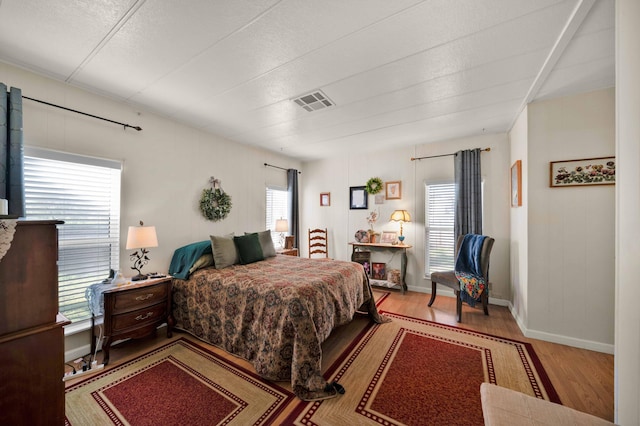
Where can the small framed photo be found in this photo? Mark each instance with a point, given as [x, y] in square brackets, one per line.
[388, 237]
[379, 198]
[325, 199]
[393, 190]
[516, 184]
[288, 242]
[379, 271]
[589, 171]
[358, 199]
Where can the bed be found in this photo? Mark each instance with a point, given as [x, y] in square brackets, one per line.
[275, 313]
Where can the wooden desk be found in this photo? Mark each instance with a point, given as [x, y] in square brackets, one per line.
[384, 246]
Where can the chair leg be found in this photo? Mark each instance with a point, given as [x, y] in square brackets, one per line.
[458, 306]
[433, 293]
[485, 303]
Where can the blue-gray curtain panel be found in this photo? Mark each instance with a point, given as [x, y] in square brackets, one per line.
[468, 179]
[12, 150]
[294, 212]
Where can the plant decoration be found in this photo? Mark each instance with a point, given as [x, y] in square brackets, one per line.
[374, 185]
[215, 204]
[372, 219]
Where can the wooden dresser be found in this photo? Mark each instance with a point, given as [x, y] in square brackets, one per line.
[136, 310]
[31, 329]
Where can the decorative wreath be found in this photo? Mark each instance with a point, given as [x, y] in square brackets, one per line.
[374, 185]
[215, 204]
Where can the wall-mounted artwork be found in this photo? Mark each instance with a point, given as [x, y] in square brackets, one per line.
[588, 171]
[516, 184]
[379, 198]
[393, 190]
[358, 199]
[325, 199]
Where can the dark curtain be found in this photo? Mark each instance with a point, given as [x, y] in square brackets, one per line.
[468, 204]
[11, 150]
[294, 214]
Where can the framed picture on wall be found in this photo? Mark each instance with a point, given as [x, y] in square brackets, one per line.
[325, 199]
[516, 184]
[358, 199]
[393, 190]
[589, 171]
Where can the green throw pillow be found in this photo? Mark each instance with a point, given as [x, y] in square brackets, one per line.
[249, 249]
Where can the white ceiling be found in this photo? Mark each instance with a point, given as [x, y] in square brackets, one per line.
[400, 72]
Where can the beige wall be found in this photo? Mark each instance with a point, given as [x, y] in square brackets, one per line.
[627, 313]
[337, 174]
[563, 238]
[165, 167]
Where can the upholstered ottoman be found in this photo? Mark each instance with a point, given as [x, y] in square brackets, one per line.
[506, 407]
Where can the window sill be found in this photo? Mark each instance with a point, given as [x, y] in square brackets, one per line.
[80, 326]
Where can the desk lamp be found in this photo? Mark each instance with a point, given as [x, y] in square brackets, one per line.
[401, 216]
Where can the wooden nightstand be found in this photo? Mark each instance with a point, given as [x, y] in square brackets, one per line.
[288, 252]
[134, 311]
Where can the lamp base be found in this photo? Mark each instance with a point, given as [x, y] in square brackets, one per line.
[401, 239]
[139, 277]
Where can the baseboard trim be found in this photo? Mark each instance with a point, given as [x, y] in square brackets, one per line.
[560, 339]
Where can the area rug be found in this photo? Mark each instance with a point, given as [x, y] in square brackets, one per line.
[416, 372]
[180, 383]
[379, 295]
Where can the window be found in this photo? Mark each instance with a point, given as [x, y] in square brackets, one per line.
[277, 200]
[84, 192]
[439, 218]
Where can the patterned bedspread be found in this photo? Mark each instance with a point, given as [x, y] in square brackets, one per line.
[275, 313]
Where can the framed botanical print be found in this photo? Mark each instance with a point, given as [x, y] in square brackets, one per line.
[393, 190]
[588, 171]
[325, 199]
[516, 184]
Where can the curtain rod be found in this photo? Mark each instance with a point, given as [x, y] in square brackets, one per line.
[443, 155]
[138, 128]
[281, 168]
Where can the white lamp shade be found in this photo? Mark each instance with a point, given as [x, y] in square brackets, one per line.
[142, 237]
[282, 225]
[401, 216]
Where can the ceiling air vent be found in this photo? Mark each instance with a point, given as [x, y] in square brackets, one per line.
[314, 101]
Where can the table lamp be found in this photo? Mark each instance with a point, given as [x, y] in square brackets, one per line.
[401, 216]
[282, 226]
[141, 237]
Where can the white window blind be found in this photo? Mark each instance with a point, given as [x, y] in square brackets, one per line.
[439, 218]
[84, 192]
[276, 209]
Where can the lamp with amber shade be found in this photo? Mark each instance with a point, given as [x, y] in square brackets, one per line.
[401, 216]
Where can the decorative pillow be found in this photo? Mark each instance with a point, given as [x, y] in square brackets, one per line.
[249, 249]
[266, 243]
[224, 251]
[202, 262]
[184, 258]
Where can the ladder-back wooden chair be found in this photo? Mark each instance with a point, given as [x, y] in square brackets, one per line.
[318, 243]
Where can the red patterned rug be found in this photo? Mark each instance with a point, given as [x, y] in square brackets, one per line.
[180, 383]
[417, 372]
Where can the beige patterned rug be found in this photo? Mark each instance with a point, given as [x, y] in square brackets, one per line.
[180, 383]
[417, 372]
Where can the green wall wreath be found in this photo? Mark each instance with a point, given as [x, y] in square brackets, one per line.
[215, 204]
[374, 185]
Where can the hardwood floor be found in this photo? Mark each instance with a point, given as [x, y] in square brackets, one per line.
[582, 378]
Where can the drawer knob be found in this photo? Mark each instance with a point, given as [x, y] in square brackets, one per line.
[142, 317]
[145, 297]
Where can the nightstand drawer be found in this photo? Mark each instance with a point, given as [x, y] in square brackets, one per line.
[138, 318]
[135, 299]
